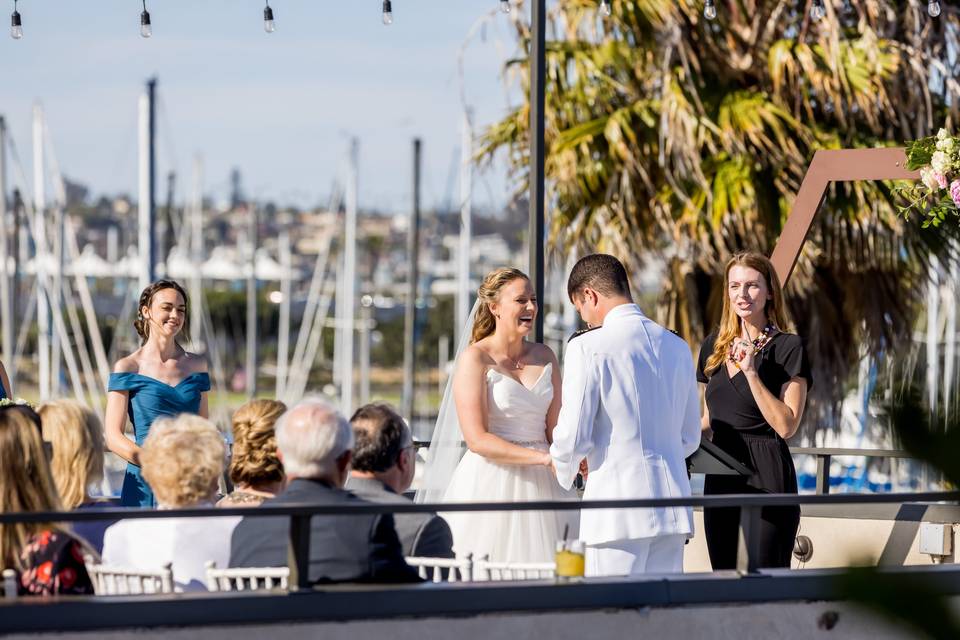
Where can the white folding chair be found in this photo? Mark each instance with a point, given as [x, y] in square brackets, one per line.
[109, 580]
[9, 584]
[443, 569]
[246, 578]
[485, 570]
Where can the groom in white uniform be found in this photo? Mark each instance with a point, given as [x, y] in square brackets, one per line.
[630, 407]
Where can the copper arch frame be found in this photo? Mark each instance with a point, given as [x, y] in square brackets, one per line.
[834, 165]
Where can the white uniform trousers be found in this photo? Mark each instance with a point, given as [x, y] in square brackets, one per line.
[660, 554]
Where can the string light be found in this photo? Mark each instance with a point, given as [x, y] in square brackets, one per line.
[268, 24]
[387, 13]
[709, 9]
[818, 10]
[505, 6]
[16, 27]
[146, 30]
[933, 9]
[605, 7]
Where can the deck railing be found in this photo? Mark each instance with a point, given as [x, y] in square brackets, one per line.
[299, 536]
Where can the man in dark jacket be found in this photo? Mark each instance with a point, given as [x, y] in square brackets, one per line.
[384, 461]
[315, 444]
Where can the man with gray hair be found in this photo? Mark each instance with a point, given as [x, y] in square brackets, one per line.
[315, 444]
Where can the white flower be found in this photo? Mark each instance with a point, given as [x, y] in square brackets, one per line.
[929, 179]
[945, 144]
[942, 134]
[940, 162]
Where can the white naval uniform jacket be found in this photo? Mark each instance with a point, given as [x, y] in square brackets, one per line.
[630, 406]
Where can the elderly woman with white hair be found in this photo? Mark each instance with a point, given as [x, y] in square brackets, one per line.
[315, 444]
[182, 460]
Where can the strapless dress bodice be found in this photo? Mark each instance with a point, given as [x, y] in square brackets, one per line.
[518, 413]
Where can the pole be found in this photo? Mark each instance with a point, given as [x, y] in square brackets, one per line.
[196, 252]
[146, 240]
[347, 309]
[366, 325]
[538, 70]
[6, 306]
[167, 238]
[410, 314]
[283, 339]
[252, 305]
[40, 256]
[466, 227]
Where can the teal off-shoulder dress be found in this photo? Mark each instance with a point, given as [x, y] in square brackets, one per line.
[148, 400]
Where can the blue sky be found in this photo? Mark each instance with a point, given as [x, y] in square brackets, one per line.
[279, 106]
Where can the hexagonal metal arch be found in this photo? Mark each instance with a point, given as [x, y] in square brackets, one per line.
[832, 165]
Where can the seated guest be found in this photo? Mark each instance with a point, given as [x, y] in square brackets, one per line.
[182, 460]
[315, 443]
[255, 469]
[76, 435]
[47, 558]
[384, 461]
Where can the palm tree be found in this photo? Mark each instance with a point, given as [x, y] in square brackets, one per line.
[675, 138]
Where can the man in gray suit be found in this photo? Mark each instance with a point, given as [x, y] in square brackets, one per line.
[384, 461]
[315, 445]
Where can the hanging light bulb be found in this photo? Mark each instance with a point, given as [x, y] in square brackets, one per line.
[818, 10]
[505, 6]
[146, 30]
[268, 24]
[709, 9]
[387, 13]
[16, 27]
[605, 7]
[933, 8]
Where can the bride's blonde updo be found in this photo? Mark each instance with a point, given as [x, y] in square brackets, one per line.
[489, 293]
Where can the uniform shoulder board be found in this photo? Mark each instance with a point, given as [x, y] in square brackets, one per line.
[579, 333]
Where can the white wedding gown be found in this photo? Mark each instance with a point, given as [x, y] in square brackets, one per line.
[516, 414]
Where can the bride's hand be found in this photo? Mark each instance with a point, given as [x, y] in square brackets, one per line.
[548, 462]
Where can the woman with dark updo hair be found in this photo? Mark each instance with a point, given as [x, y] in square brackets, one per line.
[158, 379]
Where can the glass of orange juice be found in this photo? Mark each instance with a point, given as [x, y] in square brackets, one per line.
[569, 559]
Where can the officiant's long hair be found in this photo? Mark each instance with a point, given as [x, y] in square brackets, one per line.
[730, 322]
[489, 293]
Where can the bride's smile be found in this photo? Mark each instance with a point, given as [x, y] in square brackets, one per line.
[517, 308]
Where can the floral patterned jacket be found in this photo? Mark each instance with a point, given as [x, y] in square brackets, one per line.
[53, 564]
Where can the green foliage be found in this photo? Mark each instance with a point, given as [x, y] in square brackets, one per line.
[675, 138]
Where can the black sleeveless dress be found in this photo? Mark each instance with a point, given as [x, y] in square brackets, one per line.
[740, 429]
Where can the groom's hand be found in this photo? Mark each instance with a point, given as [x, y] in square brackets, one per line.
[584, 469]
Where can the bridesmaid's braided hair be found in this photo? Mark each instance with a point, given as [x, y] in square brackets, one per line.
[146, 299]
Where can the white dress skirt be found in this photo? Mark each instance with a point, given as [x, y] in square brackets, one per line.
[517, 414]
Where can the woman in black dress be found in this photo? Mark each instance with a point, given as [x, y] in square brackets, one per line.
[756, 379]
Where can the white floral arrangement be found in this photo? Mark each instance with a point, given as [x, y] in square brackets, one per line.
[938, 194]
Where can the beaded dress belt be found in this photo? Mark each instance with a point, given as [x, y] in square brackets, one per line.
[528, 443]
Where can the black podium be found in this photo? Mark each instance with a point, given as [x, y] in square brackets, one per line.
[710, 459]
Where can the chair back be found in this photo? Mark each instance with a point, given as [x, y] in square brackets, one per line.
[443, 569]
[110, 580]
[246, 578]
[485, 570]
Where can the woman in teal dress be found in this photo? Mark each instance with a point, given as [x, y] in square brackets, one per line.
[158, 379]
[5, 390]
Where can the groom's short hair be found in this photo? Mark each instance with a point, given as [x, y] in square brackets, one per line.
[601, 272]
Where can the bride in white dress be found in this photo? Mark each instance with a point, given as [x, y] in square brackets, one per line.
[506, 395]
